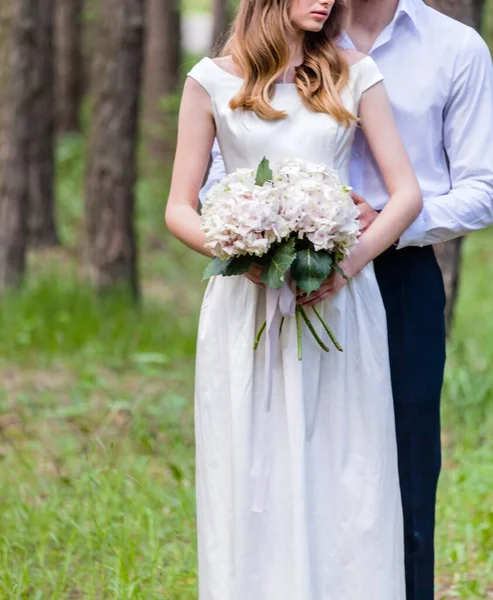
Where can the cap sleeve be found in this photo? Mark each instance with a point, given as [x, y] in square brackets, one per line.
[367, 76]
[204, 74]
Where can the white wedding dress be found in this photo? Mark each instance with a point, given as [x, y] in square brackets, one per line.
[330, 525]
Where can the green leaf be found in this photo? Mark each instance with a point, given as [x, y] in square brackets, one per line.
[216, 267]
[239, 265]
[311, 269]
[264, 173]
[338, 269]
[273, 274]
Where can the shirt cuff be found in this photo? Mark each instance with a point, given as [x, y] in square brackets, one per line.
[414, 234]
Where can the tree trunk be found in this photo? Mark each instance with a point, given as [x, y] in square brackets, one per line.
[449, 254]
[17, 51]
[222, 20]
[162, 74]
[449, 257]
[69, 64]
[469, 12]
[110, 244]
[42, 229]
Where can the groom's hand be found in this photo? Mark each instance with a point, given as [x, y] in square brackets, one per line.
[366, 213]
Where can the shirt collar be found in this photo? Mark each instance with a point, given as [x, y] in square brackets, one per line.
[409, 8]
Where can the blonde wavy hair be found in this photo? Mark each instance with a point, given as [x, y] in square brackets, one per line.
[259, 46]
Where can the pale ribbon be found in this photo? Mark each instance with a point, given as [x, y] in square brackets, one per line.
[279, 304]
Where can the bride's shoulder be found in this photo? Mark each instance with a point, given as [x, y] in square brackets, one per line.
[205, 74]
[227, 64]
[215, 74]
[353, 57]
[364, 72]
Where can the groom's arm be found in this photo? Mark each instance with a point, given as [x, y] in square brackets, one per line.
[217, 172]
[468, 140]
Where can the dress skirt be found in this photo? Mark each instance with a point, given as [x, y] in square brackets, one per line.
[330, 522]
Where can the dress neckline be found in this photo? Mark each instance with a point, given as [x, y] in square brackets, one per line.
[241, 78]
[282, 84]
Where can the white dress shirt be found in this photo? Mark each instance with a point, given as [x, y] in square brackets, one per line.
[439, 77]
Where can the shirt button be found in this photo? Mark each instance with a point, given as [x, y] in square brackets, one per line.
[358, 156]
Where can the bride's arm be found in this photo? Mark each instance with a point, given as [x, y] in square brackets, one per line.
[405, 203]
[196, 132]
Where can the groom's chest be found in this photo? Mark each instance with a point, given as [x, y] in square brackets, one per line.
[418, 79]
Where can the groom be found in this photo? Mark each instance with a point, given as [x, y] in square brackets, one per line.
[439, 77]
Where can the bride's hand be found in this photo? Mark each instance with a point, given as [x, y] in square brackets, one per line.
[329, 287]
[335, 282]
[324, 291]
[253, 274]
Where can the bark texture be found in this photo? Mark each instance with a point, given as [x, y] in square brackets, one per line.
[469, 12]
[42, 228]
[163, 59]
[109, 240]
[69, 64]
[17, 52]
[449, 257]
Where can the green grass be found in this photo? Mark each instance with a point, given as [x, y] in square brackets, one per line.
[96, 439]
[465, 508]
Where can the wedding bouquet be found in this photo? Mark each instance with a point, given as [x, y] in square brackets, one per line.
[291, 217]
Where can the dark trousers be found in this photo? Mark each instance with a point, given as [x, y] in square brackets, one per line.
[412, 289]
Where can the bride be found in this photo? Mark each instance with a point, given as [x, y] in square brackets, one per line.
[300, 502]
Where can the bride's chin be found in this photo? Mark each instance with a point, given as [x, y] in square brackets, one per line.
[312, 26]
[315, 28]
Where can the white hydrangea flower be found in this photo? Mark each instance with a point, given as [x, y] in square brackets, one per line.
[305, 199]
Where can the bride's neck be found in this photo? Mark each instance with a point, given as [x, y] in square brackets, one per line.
[295, 58]
[296, 50]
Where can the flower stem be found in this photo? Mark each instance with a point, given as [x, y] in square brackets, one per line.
[298, 331]
[259, 335]
[312, 329]
[328, 329]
